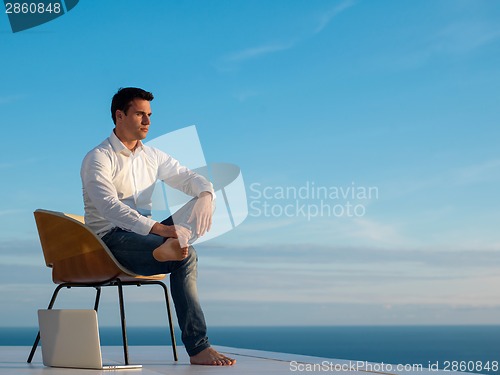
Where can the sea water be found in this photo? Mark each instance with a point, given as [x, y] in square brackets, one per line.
[466, 348]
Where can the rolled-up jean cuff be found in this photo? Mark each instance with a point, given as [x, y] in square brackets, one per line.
[198, 349]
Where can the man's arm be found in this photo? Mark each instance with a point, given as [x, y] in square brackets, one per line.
[170, 230]
[202, 213]
[180, 177]
[98, 185]
[191, 183]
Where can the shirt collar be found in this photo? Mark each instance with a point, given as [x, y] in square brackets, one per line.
[120, 148]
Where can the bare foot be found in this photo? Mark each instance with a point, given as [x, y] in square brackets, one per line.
[170, 250]
[211, 357]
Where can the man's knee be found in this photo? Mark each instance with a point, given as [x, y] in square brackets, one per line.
[189, 265]
[192, 256]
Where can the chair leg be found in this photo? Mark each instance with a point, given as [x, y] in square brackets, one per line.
[122, 316]
[97, 297]
[51, 304]
[119, 284]
[170, 323]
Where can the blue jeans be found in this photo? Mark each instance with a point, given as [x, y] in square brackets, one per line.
[134, 252]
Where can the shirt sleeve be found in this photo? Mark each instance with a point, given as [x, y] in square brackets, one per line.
[182, 178]
[98, 185]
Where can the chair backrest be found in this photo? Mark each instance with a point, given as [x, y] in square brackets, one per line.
[75, 253]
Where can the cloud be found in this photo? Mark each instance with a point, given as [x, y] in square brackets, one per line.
[328, 16]
[274, 47]
[314, 274]
[376, 231]
[243, 95]
[319, 230]
[480, 172]
[255, 226]
[456, 39]
[379, 284]
[304, 275]
[258, 51]
[464, 37]
[299, 256]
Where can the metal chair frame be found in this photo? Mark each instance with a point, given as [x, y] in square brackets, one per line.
[119, 284]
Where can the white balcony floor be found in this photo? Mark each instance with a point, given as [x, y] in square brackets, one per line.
[159, 360]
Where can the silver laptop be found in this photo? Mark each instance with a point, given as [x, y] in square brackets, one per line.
[70, 338]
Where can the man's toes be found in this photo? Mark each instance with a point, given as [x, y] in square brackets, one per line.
[225, 361]
[215, 362]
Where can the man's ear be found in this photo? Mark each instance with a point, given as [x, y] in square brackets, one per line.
[119, 114]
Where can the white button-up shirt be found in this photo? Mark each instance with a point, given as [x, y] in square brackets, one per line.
[118, 185]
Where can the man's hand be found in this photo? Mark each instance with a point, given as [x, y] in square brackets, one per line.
[202, 213]
[172, 231]
[183, 234]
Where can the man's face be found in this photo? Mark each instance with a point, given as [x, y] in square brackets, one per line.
[134, 125]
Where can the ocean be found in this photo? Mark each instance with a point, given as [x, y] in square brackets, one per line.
[474, 348]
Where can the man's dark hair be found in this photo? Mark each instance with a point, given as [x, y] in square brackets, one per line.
[123, 97]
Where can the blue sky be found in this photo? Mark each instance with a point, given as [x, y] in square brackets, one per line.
[399, 96]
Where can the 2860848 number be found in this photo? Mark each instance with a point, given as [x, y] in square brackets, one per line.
[470, 366]
[32, 8]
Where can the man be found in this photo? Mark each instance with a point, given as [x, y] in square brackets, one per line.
[118, 178]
